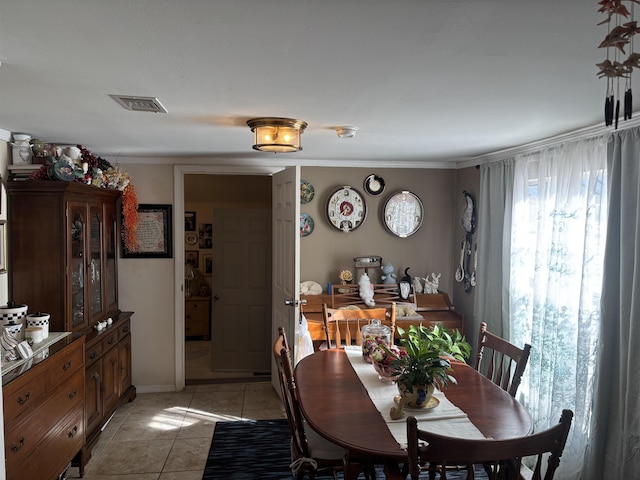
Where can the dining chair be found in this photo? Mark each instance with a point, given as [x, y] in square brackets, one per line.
[502, 459]
[310, 453]
[342, 326]
[501, 361]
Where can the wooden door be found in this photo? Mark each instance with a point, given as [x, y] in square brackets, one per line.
[241, 339]
[286, 256]
[124, 357]
[93, 396]
[110, 380]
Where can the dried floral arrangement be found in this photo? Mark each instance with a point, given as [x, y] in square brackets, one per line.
[80, 165]
[622, 28]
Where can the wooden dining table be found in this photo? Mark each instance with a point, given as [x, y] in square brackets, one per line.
[337, 406]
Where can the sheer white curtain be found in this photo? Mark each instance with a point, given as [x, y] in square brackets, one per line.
[558, 230]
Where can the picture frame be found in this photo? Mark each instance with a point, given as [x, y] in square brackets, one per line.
[205, 234]
[189, 221]
[3, 246]
[154, 232]
[192, 257]
[207, 260]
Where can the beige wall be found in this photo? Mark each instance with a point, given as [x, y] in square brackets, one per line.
[430, 249]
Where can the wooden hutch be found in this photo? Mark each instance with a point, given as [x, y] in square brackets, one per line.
[63, 243]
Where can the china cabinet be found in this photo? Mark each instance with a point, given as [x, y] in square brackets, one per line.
[63, 243]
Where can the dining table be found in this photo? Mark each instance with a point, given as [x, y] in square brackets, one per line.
[345, 401]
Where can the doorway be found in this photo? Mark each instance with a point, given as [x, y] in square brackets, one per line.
[229, 203]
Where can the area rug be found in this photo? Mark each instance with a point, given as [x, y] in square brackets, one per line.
[248, 450]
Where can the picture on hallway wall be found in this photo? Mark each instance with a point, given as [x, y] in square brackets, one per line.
[189, 221]
[191, 258]
[207, 259]
[205, 233]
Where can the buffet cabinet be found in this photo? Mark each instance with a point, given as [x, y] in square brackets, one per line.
[63, 238]
[44, 426]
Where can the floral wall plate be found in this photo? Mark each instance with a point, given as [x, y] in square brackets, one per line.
[191, 238]
[306, 225]
[306, 192]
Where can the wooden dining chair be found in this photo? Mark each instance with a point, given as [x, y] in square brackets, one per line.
[309, 453]
[501, 361]
[502, 459]
[342, 326]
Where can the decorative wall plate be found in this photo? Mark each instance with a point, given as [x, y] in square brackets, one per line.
[346, 209]
[374, 185]
[306, 225]
[403, 213]
[306, 192]
[191, 238]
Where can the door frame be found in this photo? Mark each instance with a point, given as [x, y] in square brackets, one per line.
[179, 171]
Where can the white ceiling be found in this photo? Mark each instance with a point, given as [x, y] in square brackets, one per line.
[425, 81]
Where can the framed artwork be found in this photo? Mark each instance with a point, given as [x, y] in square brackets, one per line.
[207, 259]
[191, 257]
[154, 233]
[3, 246]
[189, 221]
[205, 233]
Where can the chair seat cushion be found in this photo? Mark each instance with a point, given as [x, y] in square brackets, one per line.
[321, 448]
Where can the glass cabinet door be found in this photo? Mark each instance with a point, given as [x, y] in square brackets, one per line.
[78, 228]
[95, 274]
[111, 250]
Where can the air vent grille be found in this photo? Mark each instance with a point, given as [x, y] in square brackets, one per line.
[139, 104]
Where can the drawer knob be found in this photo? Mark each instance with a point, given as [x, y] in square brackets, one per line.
[22, 401]
[73, 394]
[93, 355]
[73, 432]
[111, 340]
[16, 448]
[125, 330]
[66, 366]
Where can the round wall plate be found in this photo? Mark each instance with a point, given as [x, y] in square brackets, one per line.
[306, 192]
[306, 225]
[403, 213]
[374, 185]
[191, 238]
[346, 209]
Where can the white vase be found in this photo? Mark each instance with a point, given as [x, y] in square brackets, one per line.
[22, 154]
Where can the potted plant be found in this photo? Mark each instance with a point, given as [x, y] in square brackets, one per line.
[427, 362]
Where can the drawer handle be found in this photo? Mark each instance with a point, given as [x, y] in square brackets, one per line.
[73, 432]
[125, 330]
[66, 366]
[73, 394]
[16, 448]
[93, 355]
[111, 340]
[22, 401]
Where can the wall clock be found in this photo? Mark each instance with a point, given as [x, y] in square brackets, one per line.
[403, 213]
[346, 209]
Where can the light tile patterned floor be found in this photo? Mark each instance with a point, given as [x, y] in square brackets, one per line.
[166, 436]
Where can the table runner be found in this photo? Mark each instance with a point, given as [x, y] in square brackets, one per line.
[445, 419]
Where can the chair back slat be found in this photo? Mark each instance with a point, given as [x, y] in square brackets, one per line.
[500, 361]
[501, 458]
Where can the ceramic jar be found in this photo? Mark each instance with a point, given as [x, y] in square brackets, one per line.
[39, 320]
[12, 314]
[22, 154]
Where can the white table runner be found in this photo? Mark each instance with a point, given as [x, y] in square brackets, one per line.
[445, 419]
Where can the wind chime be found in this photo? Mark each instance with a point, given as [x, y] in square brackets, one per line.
[619, 36]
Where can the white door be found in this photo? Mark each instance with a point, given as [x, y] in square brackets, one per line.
[241, 339]
[286, 257]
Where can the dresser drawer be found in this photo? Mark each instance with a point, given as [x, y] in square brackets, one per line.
[20, 396]
[110, 341]
[124, 329]
[64, 365]
[92, 354]
[23, 436]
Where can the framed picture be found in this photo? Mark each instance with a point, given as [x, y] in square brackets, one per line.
[3, 246]
[191, 258]
[189, 221]
[205, 233]
[207, 259]
[154, 233]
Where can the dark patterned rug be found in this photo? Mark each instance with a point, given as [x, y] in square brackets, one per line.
[247, 450]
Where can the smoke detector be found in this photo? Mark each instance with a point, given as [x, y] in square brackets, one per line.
[139, 104]
[346, 132]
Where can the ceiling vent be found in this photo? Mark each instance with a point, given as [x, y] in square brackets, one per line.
[139, 104]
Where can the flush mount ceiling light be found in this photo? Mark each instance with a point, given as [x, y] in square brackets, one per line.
[346, 132]
[277, 135]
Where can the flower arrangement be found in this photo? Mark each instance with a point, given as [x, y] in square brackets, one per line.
[427, 356]
[80, 165]
[382, 355]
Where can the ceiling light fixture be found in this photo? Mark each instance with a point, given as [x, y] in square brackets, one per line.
[277, 135]
[346, 132]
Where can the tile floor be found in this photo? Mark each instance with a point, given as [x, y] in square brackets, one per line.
[166, 436]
